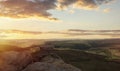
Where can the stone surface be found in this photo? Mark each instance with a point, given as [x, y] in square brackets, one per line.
[33, 59]
[43, 66]
[14, 60]
[51, 63]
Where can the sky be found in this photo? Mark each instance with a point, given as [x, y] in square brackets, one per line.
[55, 18]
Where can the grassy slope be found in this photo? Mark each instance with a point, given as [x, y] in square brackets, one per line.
[87, 61]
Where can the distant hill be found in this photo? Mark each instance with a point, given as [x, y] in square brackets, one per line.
[88, 61]
[86, 44]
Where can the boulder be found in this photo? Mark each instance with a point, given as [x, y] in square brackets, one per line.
[43, 66]
[51, 63]
[14, 60]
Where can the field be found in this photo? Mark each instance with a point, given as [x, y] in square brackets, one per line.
[90, 55]
[88, 61]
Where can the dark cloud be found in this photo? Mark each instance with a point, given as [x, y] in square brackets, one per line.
[102, 31]
[99, 2]
[40, 8]
[78, 32]
[27, 8]
[84, 4]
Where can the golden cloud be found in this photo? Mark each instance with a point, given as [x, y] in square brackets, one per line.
[82, 4]
[107, 10]
[20, 32]
[77, 33]
[27, 8]
[40, 8]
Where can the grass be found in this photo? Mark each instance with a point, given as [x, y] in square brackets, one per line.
[87, 61]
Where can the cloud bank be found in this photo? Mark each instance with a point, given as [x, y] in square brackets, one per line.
[71, 33]
[83, 4]
[40, 8]
[27, 8]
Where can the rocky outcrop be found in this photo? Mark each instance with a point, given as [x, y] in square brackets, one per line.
[51, 63]
[43, 66]
[14, 61]
[33, 59]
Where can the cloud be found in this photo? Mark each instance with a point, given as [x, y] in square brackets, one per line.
[100, 31]
[79, 32]
[82, 4]
[27, 8]
[19, 32]
[71, 33]
[71, 11]
[40, 8]
[107, 10]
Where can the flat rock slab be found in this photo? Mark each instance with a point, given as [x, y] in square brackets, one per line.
[42, 66]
